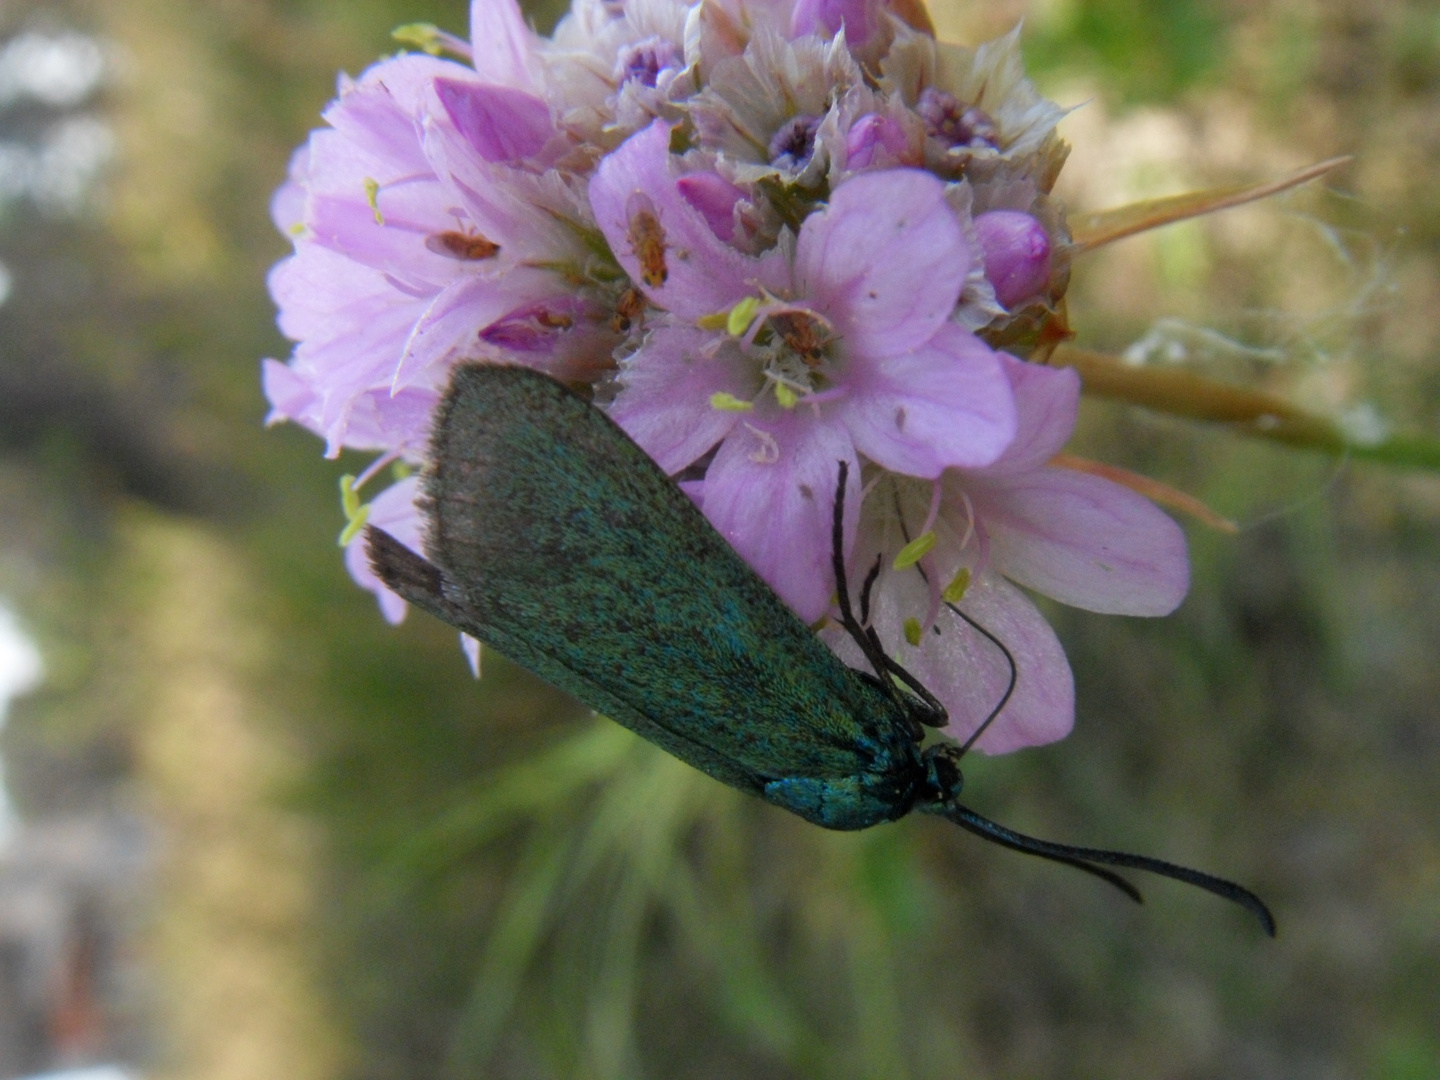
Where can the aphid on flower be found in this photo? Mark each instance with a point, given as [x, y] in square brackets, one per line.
[467, 247]
[647, 240]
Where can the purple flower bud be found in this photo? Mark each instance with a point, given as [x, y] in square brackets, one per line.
[794, 144]
[953, 123]
[645, 60]
[715, 198]
[500, 123]
[827, 16]
[535, 328]
[870, 133]
[1017, 254]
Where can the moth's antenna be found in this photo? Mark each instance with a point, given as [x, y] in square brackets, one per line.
[866, 587]
[1084, 859]
[869, 645]
[1009, 690]
[863, 634]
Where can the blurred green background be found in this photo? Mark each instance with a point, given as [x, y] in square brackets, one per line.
[363, 864]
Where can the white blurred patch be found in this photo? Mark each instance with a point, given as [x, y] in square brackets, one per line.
[93, 1072]
[60, 172]
[60, 70]
[21, 670]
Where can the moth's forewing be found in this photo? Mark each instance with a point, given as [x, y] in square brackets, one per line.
[573, 553]
[427, 587]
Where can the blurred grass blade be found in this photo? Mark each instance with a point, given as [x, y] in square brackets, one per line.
[1249, 412]
[510, 952]
[1093, 230]
[548, 783]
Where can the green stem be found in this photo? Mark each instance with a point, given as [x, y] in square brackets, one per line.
[1249, 412]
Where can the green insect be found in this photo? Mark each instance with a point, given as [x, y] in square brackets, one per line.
[555, 540]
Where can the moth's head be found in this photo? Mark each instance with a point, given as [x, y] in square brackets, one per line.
[943, 780]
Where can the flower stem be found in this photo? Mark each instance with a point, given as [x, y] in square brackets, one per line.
[1250, 412]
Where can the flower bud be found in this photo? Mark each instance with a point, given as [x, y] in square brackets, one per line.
[860, 19]
[870, 134]
[715, 198]
[1017, 254]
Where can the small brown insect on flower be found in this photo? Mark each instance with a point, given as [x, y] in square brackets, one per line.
[554, 320]
[647, 240]
[804, 334]
[628, 308]
[467, 247]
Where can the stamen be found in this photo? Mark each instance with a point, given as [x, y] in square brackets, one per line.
[429, 38]
[741, 316]
[716, 320]
[915, 550]
[959, 585]
[349, 497]
[729, 402]
[372, 196]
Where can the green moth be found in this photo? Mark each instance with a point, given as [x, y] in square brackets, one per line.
[555, 540]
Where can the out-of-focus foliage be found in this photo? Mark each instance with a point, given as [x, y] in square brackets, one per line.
[380, 869]
[1143, 50]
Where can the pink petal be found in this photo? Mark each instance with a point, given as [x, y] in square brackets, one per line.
[287, 205]
[967, 672]
[501, 124]
[666, 387]
[1046, 403]
[289, 395]
[513, 208]
[1083, 540]
[503, 43]
[451, 325]
[885, 260]
[394, 511]
[397, 248]
[701, 274]
[946, 404]
[975, 674]
[771, 493]
[379, 115]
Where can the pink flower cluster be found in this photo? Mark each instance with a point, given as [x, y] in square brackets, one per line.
[772, 236]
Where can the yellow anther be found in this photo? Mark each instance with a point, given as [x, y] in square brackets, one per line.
[401, 470]
[716, 320]
[915, 550]
[422, 36]
[955, 591]
[741, 316]
[913, 631]
[362, 515]
[372, 196]
[729, 402]
[349, 497]
[785, 396]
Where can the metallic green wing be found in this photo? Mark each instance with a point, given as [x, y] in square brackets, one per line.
[562, 545]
